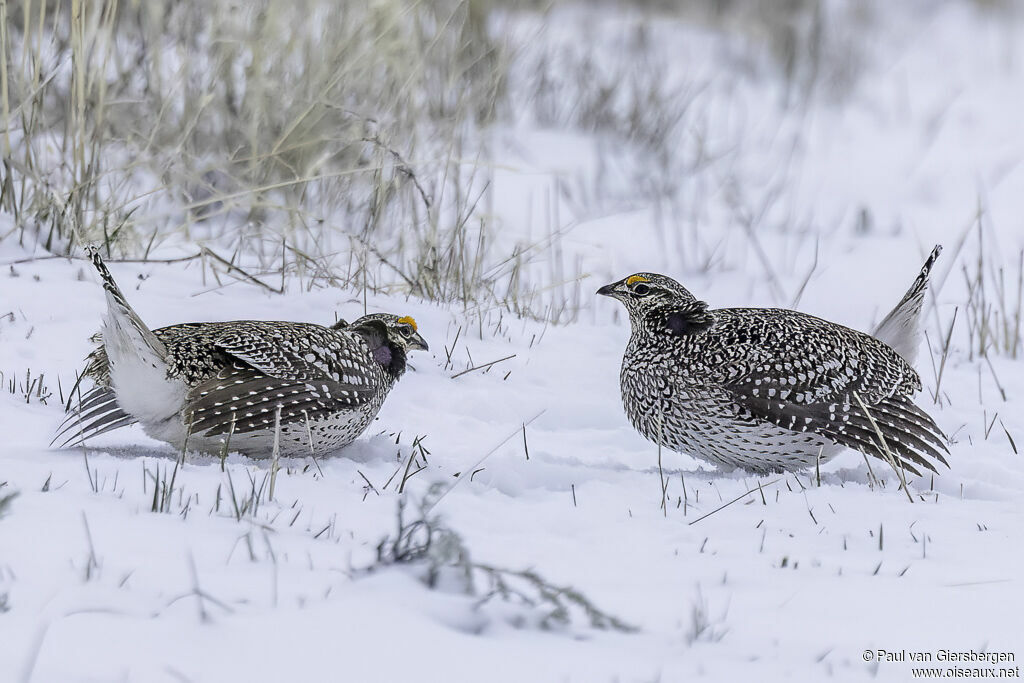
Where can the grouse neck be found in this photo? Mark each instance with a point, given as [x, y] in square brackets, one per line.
[683, 319]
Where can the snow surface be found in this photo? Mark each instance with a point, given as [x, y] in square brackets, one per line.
[793, 581]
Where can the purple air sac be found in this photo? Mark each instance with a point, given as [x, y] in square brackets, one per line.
[382, 354]
[678, 324]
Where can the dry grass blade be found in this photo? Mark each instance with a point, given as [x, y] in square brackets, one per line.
[484, 366]
[884, 448]
[940, 370]
[463, 475]
[760, 488]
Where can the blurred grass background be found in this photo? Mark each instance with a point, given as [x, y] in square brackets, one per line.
[348, 143]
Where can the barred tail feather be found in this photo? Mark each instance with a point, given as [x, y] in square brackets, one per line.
[915, 421]
[911, 442]
[97, 413]
[908, 433]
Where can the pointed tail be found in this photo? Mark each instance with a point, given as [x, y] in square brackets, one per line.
[120, 314]
[129, 370]
[901, 329]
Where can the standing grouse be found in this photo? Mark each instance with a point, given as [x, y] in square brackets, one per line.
[767, 389]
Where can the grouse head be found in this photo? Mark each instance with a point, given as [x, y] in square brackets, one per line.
[390, 338]
[653, 299]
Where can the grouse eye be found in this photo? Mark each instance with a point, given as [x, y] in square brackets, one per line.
[406, 330]
[641, 289]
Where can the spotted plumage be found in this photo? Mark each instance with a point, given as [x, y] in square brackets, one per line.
[771, 390]
[239, 385]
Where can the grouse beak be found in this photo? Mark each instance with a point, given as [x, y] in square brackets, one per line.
[611, 290]
[418, 343]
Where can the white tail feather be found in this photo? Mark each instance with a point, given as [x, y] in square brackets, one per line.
[901, 329]
[138, 360]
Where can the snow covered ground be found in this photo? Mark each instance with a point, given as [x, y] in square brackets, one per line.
[796, 579]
